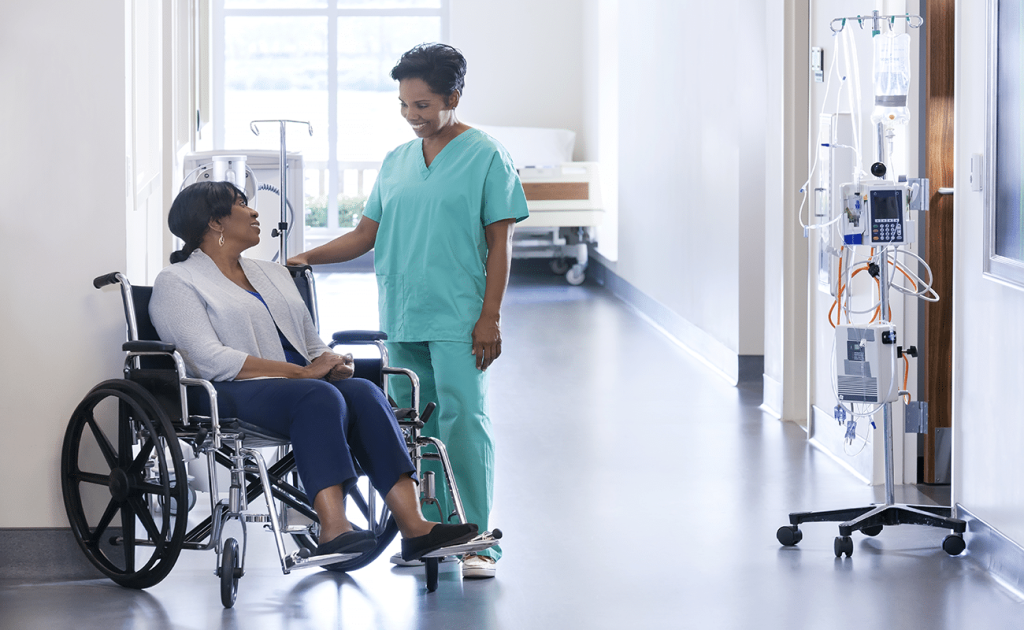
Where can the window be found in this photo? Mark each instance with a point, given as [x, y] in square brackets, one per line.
[326, 62]
[1004, 189]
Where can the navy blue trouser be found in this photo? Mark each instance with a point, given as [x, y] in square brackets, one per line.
[328, 423]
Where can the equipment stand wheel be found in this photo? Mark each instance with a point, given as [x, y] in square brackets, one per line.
[843, 544]
[789, 535]
[431, 573]
[230, 571]
[954, 544]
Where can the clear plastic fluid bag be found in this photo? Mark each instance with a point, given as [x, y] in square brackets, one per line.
[892, 79]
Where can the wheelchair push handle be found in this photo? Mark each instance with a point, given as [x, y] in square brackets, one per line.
[106, 280]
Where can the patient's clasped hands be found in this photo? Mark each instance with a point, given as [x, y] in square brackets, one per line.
[331, 366]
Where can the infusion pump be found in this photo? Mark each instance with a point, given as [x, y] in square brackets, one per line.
[874, 214]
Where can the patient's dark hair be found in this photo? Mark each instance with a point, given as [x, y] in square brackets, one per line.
[440, 66]
[192, 210]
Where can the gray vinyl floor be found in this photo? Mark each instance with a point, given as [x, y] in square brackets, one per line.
[636, 489]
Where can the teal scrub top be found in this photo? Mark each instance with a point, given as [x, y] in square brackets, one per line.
[430, 254]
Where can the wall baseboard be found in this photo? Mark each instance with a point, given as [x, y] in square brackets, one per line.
[683, 332]
[996, 553]
[43, 554]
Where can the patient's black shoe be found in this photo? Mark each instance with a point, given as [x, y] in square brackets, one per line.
[441, 536]
[355, 541]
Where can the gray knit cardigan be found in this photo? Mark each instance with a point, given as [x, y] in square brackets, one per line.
[215, 324]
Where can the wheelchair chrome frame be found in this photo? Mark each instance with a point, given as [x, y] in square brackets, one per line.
[235, 505]
[209, 442]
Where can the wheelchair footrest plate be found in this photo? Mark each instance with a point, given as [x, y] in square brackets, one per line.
[295, 561]
[484, 541]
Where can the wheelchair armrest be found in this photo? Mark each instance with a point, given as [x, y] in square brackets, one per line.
[148, 346]
[357, 337]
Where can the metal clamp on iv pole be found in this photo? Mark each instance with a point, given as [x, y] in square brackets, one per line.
[282, 227]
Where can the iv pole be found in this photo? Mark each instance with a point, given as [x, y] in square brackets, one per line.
[871, 519]
[282, 227]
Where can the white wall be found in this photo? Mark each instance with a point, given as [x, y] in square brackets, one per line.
[524, 63]
[690, 157]
[691, 121]
[988, 340]
[679, 162]
[62, 216]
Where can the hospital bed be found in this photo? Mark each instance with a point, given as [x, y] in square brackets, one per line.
[564, 198]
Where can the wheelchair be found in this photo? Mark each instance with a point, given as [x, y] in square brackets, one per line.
[127, 489]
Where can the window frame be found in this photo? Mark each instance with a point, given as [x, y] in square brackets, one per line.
[331, 12]
[1001, 269]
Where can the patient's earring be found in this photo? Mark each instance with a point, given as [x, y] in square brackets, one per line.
[222, 239]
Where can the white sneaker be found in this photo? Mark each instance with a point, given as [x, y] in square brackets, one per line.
[478, 567]
[397, 560]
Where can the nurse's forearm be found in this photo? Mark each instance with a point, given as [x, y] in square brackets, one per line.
[499, 263]
[344, 248]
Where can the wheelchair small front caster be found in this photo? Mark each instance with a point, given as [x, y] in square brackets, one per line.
[230, 571]
[789, 535]
[954, 544]
[843, 545]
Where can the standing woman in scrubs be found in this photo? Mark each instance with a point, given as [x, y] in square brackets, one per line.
[440, 218]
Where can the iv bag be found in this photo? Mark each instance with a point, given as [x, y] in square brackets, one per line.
[892, 79]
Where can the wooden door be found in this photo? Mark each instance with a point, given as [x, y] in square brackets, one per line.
[937, 352]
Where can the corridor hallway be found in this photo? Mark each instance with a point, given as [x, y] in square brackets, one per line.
[636, 489]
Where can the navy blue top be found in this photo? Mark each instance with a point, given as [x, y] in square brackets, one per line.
[290, 353]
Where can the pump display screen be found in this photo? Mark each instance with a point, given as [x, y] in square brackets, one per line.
[887, 216]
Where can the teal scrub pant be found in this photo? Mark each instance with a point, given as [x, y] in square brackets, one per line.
[448, 376]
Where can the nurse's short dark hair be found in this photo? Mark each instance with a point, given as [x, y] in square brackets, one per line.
[194, 207]
[440, 66]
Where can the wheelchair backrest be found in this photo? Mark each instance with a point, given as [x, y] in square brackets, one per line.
[303, 278]
[145, 330]
[141, 296]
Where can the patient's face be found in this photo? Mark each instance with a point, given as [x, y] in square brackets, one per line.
[241, 226]
[425, 111]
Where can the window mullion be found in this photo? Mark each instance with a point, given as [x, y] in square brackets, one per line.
[218, 55]
[333, 174]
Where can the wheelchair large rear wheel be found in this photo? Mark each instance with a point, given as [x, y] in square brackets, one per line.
[379, 520]
[124, 484]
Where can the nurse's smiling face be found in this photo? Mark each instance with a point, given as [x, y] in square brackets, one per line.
[426, 112]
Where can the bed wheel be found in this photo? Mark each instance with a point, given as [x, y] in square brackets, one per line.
[576, 275]
[559, 266]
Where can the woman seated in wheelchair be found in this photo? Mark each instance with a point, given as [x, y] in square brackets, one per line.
[241, 324]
